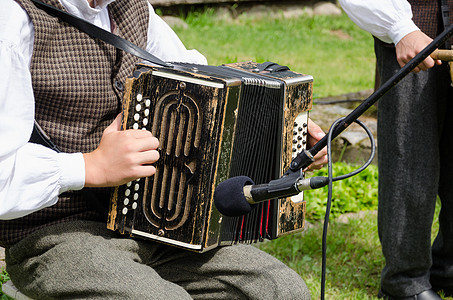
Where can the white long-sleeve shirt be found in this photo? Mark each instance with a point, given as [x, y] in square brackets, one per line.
[388, 20]
[32, 176]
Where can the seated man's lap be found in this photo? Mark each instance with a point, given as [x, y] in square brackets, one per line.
[84, 259]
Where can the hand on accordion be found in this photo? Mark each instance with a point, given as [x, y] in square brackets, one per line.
[315, 133]
[122, 156]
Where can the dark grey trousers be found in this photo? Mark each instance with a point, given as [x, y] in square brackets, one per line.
[84, 260]
[415, 140]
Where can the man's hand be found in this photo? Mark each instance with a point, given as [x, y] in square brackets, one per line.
[410, 45]
[315, 133]
[121, 156]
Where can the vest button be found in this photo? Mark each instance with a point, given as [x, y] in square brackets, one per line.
[119, 85]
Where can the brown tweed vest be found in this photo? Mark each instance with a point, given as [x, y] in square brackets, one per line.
[427, 16]
[78, 86]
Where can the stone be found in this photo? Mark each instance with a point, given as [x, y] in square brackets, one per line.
[326, 8]
[2, 258]
[175, 22]
[353, 144]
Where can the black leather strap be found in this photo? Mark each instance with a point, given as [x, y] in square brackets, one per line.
[270, 67]
[38, 135]
[102, 34]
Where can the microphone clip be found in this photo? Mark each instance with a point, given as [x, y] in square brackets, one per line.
[278, 188]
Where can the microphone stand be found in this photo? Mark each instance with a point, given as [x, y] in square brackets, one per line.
[305, 157]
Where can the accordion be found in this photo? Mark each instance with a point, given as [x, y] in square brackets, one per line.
[213, 123]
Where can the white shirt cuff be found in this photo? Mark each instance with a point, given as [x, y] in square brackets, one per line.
[72, 176]
[401, 29]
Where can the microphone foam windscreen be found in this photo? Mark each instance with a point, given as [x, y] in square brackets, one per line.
[229, 196]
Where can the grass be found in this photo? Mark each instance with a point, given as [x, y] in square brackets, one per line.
[354, 258]
[358, 193]
[353, 255]
[4, 277]
[330, 48]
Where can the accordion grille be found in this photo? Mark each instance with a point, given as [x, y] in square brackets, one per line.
[256, 154]
[177, 125]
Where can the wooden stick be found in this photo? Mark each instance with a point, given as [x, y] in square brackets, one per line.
[445, 55]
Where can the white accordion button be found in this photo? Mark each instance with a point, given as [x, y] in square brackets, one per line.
[136, 117]
[148, 102]
[146, 112]
[138, 107]
[124, 210]
[126, 201]
[135, 126]
[139, 97]
[145, 121]
[134, 205]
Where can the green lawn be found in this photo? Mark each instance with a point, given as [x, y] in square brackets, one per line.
[337, 53]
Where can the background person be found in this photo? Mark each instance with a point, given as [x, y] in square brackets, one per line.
[415, 148]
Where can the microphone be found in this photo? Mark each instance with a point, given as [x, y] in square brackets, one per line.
[238, 195]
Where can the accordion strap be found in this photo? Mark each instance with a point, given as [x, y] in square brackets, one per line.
[102, 34]
[270, 67]
[38, 135]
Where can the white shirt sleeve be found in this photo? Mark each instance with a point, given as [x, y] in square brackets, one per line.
[31, 176]
[388, 20]
[166, 45]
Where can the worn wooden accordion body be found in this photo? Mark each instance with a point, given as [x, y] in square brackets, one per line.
[213, 123]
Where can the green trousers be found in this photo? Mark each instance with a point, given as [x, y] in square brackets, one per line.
[84, 260]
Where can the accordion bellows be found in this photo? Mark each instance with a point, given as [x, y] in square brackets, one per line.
[213, 123]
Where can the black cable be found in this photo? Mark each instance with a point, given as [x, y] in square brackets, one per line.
[331, 179]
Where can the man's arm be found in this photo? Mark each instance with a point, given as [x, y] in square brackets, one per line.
[388, 20]
[391, 22]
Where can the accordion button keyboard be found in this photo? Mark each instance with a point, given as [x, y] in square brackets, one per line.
[300, 133]
[299, 141]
